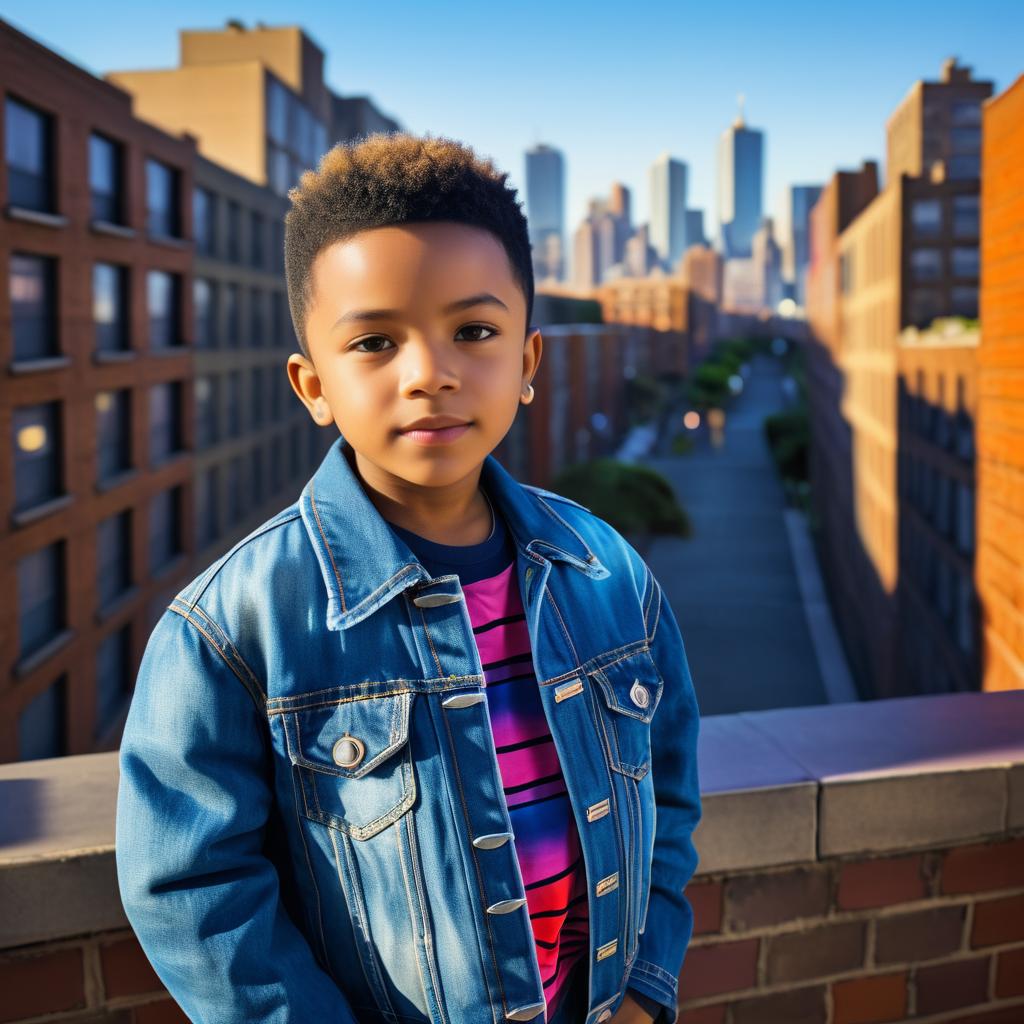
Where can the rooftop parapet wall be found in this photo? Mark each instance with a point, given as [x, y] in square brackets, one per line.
[858, 862]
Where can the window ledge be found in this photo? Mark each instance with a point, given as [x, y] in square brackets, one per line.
[46, 220]
[108, 355]
[32, 661]
[117, 605]
[108, 484]
[40, 511]
[106, 227]
[170, 241]
[20, 366]
[170, 350]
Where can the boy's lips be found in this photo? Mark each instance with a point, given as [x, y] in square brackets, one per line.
[437, 435]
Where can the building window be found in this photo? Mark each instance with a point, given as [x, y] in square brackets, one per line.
[926, 218]
[236, 496]
[163, 303]
[163, 214]
[965, 614]
[964, 300]
[276, 464]
[257, 231]
[963, 167]
[232, 315]
[165, 433]
[277, 112]
[41, 614]
[110, 307]
[28, 148]
[105, 179]
[965, 261]
[234, 232]
[965, 217]
[256, 457]
[295, 449]
[965, 518]
[234, 404]
[33, 292]
[207, 402]
[277, 246]
[38, 476]
[277, 382]
[42, 724]
[114, 678]
[257, 318]
[926, 264]
[164, 528]
[256, 399]
[113, 433]
[925, 306]
[965, 113]
[204, 221]
[204, 312]
[208, 507]
[965, 140]
[113, 557]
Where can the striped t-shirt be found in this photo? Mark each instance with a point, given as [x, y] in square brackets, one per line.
[546, 839]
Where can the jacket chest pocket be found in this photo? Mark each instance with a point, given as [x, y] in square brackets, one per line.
[354, 762]
[631, 691]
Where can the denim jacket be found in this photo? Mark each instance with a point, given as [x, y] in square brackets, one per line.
[311, 824]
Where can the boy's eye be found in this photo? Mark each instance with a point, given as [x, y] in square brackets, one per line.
[380, 337]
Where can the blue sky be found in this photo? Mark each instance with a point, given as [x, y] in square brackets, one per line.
[611, 85]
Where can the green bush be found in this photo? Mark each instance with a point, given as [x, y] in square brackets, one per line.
[788, 435]
[630, 497]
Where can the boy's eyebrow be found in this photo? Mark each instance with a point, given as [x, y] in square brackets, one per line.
[482, 299]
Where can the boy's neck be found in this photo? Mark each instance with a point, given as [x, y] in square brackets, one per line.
[457, 514]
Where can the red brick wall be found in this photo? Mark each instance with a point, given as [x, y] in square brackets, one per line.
[936, 935]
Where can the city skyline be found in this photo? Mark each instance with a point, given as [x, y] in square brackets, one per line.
[528, 89]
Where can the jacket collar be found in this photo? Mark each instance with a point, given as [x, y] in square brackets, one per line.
[364, 563]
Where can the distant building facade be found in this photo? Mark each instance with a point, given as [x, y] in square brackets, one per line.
[545, 204]
[740, 187]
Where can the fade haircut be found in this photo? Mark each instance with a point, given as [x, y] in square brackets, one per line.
[397, 178]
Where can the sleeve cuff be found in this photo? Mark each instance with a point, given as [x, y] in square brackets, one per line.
[649, 980]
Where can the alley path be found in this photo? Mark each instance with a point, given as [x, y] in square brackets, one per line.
[732, 585]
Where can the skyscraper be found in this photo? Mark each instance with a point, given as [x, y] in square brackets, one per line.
[545, 205]
[793, 238]
[740, 177]
[668, 178]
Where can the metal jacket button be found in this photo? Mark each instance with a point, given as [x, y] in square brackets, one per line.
[348, 751]
[433, 600]
[639, 695]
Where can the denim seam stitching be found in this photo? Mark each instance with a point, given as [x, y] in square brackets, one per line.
[428, 948]
[430, 642]
[257, 701]
[412, 913]
[234, 650]
[330, 553]
[551, 512]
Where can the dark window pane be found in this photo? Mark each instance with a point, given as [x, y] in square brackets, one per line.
[964, 300]
[113, 677]
[926, 264]
[234, 232]
[40, 597]
[33, 292]
[42, 724]
[37, 454]
[113, 432]
[256, 462]
[165, 421]
[163, 298]
[256, 399]
[204, 224]
[105, 163]
[965, 166]
[926, 217]
[164, 527]
[110, 306]
[256, 240]
[232, 315]
[113, 556]
[236, 507]
[257, 317]
[162, 208]
[965, 113]
[207, 402]
[208, 506]
[965, 216]
[965, 261]
[28, 150]
[276, 464]
[234, 404]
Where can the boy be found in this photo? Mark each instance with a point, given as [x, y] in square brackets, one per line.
[422, 747]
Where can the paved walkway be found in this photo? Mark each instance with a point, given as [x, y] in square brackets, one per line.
[733, 585]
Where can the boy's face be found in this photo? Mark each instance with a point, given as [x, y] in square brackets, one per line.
[421, 352]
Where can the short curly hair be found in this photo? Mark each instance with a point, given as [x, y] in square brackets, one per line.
[397, 178]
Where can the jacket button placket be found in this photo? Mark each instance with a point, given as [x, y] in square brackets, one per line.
[508, 920]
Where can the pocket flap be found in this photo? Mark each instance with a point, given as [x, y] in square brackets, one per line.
[380, 724]
[631, 686]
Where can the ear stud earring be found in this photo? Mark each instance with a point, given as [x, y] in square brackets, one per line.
[529, 393]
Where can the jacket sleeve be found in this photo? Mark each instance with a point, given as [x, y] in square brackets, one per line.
[674, 729]
[193, 800]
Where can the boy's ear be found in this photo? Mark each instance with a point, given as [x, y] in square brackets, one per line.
[305, 381]
[532, 348]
